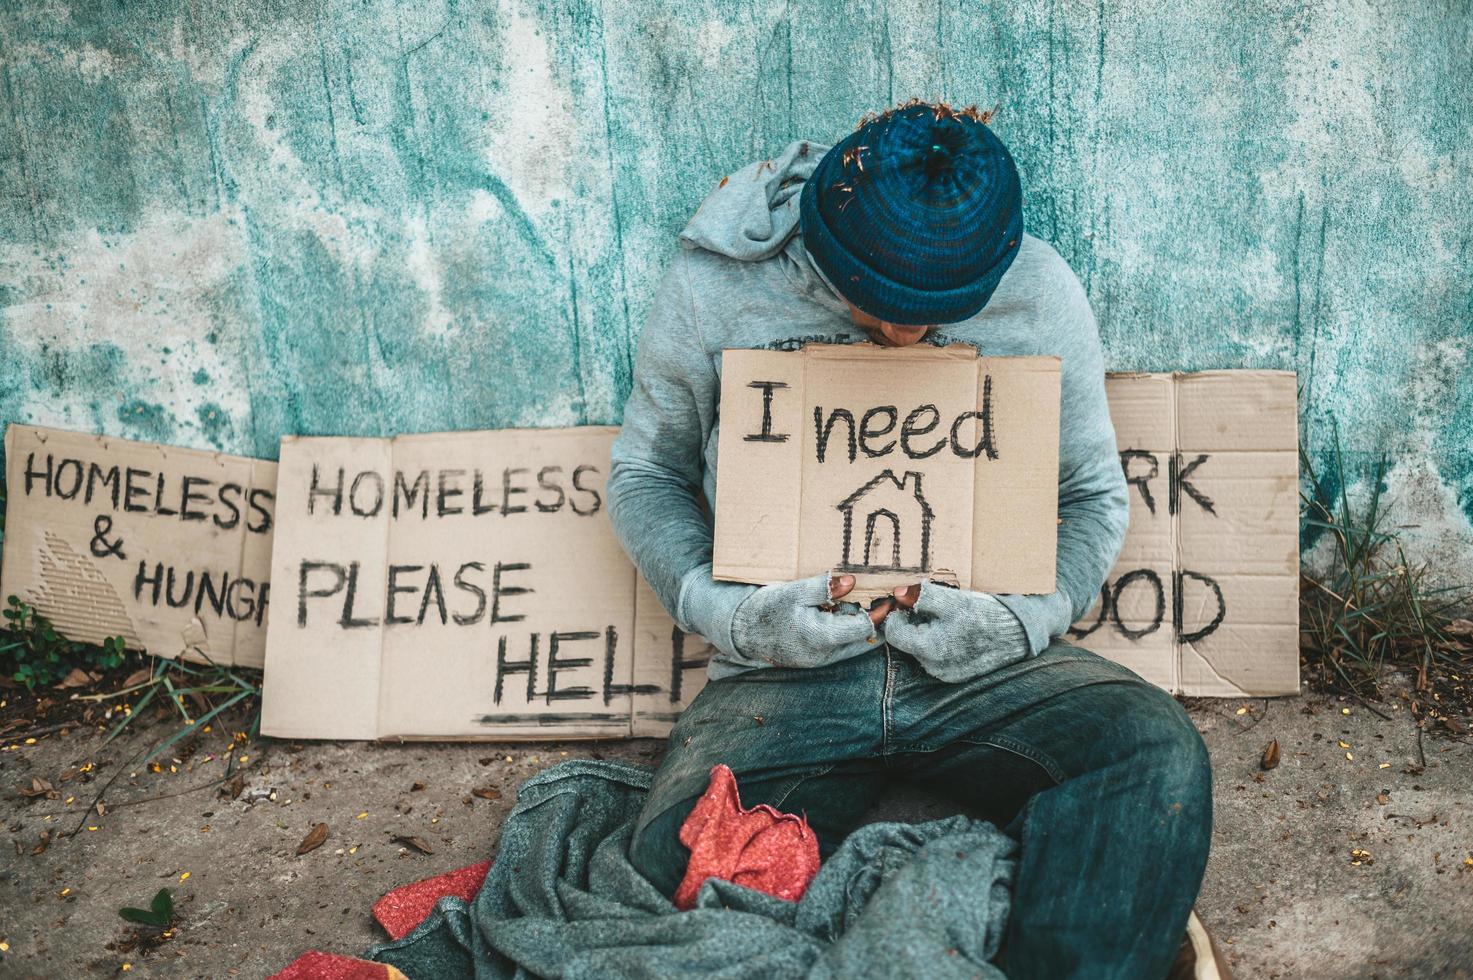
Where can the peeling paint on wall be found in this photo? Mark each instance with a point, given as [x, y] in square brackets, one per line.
[222, 223]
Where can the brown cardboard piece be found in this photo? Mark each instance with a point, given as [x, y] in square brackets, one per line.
[1204, 599]
[336, 669]
[168, 548]
[463, 585]
[890, 465]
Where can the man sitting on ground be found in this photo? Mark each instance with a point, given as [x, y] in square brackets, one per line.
[910, 230]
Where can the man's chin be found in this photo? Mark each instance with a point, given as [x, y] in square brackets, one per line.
[884, 340]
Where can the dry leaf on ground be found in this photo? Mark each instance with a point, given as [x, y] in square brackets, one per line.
[77, 677]
[487, 793]
[418, 843]
[314, 839]
[39, 787]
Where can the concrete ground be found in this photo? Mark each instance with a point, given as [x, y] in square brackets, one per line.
[1345, 861]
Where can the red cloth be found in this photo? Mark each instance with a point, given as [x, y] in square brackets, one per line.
[329, 966]
[400, 910]
[760, 848]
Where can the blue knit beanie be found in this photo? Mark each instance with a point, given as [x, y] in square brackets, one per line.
[916, 215]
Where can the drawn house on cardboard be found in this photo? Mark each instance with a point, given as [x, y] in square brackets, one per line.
[895, 522]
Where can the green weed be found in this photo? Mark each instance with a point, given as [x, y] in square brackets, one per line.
[1371, 610]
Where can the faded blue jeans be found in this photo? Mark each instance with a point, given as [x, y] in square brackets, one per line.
[1098, 774]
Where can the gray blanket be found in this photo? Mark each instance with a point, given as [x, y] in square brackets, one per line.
[562, 900]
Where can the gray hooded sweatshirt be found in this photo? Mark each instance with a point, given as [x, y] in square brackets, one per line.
[744, 280]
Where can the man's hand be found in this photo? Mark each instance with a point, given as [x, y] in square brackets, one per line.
[842, 585]
[798, 624]
[956, 634]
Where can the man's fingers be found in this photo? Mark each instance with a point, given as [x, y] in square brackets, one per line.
[900, 631]
[840, 586]
[880, 610]
[907, 595]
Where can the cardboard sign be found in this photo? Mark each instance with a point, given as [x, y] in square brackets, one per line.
[1205, 597]
[463, 585]
[169, 548]
[888, 464]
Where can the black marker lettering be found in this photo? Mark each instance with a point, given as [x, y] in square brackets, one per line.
[508, 491]
[190, 482]
[305, 569]
[542, 475]
[766, 435]
[233, 489]
[474, 589]
[158, 500]
[355, 502]
[32, 473]
[1141, 482]
[183, 600]
[348, 622]
[498, 590]
[478, 488]
[433, 585]
[234, 611]
[110, 478]
[130, 491]
[254, 499]
[598, 501]
[207, 591]
[396, 589]
[910, 429]
[1179, 483]
[679, 664]
[420, 491]
[504, 667]
[1153, 581]
[1178, 603]
[143, 578]
[76, 484]
[826, 429]
[612, 690]
[445, 489]
[1099, 620]
[334, 493]
[262, 601]
[866, 433]
[555, 664]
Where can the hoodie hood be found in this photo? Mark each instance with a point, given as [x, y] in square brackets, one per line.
[751, 214]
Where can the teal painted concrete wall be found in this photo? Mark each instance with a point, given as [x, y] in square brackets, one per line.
[220, 223]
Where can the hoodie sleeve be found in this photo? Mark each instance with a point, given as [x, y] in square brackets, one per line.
[1093, 505]
[655, 477]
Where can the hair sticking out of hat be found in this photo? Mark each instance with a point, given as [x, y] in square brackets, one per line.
[939, 110]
